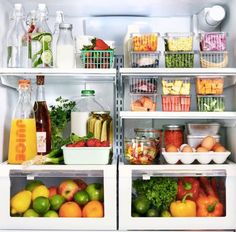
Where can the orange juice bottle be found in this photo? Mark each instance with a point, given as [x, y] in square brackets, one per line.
[22, 145]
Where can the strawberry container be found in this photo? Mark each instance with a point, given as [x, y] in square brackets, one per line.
[143, 102]
[176, 103]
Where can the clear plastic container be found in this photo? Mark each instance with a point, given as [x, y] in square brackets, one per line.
[140, 85]
[145, 59]
[176, 103]
[214, 59]
[140, 150]
[145, 42]
[210, 103]
[143, 102]
[176, 86]
[80, 115]
[179, 59]
[209, 85]
[213, 41]
[203, 128]
[179, 42]
[195, 140]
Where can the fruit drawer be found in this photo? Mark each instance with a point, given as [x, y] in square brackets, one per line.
[148, 195]
[55, 197]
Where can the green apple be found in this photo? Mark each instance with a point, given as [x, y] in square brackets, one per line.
[95, 191]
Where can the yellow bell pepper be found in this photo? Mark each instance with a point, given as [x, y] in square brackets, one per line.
[184, 208]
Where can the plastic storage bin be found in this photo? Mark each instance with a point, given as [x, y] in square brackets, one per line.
[145, 42]
[145, 59]
[179, 59]
[213, 41]
[143, 102]
[203, 128]
[210, 103]
[97, 59]
[176, 103]
[143, 85]
[214, 59]
[195, 140]
[212, 85]
[177, 86]
[178, 42]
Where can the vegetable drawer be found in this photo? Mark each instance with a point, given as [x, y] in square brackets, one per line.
[148, 197]
[27, 200]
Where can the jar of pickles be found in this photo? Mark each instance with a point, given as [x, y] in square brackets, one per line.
[100, 124]
[173, 134]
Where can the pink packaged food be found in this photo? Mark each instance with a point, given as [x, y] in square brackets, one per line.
[213, 41]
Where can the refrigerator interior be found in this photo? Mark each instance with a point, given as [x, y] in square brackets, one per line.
[109, 20]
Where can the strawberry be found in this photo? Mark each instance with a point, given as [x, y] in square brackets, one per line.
[100, 45]
[98, 143]
[105, 144]
[91, 142]
[70, 145]
[80, 144]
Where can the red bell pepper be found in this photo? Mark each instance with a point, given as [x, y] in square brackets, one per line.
[188, 185]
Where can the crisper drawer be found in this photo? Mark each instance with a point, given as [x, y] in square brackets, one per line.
[148, 197]
[93, 211]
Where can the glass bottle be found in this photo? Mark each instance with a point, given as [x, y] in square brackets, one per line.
[42, 117]
[41, 39]
[55, 35]
[82, 110]
[17, 55]
[65, 51]
[22, 144]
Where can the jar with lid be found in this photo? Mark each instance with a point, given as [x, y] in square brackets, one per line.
[100, 124]
[174, 134]
[65, 49]
[80, 115]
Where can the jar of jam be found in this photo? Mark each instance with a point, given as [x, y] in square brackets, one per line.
[173, 134]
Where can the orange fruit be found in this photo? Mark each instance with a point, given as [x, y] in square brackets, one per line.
[70, 209]
[93, 209]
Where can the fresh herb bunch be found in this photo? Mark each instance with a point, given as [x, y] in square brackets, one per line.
[161, 191]
[60, 116]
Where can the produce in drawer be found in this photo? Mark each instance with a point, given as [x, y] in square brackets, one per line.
[206, 85]
[179, 59]
[176, 86]
[74, 198]
[145, 43]
[145, 59]
[143, 103]
[143, 85]
[175, 103]
[210, 103]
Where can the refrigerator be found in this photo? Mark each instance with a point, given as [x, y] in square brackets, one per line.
[109, 20]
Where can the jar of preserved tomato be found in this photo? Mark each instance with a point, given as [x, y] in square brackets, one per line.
[174, 134]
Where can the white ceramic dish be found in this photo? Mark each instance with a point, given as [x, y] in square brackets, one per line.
[190, 157]
[195, 140]
[86, 155]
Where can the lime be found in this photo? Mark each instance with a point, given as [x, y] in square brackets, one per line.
[32, 184]
[51, 213]
[165, 214]
[46, 56]
[135, 215]
[56, 201]
[41, 205]
[141, 205]
[81, 197]
[30, 213]
[152, 213]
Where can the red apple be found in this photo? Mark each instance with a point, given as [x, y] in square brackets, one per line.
[52, 191]
[81, 184]
[67, 189]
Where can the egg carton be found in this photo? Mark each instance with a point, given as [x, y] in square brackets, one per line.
[190, 157]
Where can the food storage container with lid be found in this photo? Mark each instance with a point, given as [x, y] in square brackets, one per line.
[145, 59]
[176, 103]
[203, 128]
[140, 150]
[214, 59]
[143, 102]
[210, 103]
[179, 59]
[195, 140]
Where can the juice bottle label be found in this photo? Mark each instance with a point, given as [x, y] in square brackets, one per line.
[22, 144]
[41, 142]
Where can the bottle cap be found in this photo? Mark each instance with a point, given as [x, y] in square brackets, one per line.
[18, 11]
[215, 15]
[87, 92]
[40, 80]
[24, 83]
[65, 26]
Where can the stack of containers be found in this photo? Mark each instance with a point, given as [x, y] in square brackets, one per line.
[179, 50]
[209, 91]
[213, 52]
[176, 94]
[144, 50]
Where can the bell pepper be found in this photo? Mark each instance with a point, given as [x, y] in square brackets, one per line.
[209, 206]
[205, 183]
[188, 185]
[184, 208]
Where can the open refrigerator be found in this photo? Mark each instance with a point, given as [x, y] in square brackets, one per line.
[109, 20]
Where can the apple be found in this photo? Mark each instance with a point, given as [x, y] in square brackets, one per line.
[95, 191]
[81, 184]
[67, 189]
[52, 191]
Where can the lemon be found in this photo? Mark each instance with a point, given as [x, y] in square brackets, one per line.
[20, 202]
[40, 191]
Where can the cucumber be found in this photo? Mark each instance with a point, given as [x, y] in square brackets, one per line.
[47, 37]
[46, 57]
